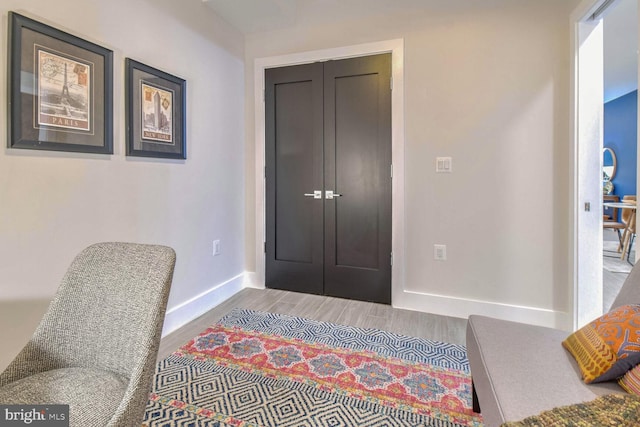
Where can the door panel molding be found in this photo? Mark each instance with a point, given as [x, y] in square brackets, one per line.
[396, 48]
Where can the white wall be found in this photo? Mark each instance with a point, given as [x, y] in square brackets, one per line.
[54, 204]
[488, 84]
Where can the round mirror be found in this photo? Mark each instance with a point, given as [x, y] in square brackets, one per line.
[609, 164]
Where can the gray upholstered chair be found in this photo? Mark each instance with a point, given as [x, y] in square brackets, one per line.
[96, 347]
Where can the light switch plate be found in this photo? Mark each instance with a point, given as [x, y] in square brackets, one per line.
[444, 164]
[440, 252]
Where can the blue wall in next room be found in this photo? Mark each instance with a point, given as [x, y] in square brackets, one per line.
[620, 134]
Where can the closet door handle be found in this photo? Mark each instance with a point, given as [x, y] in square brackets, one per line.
[317, 194]
[329, 194]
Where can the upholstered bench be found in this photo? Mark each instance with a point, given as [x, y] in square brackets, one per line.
[520, 370]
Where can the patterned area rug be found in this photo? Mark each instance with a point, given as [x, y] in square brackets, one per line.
[261, 369]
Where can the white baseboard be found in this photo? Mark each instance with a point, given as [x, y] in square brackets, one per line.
[463, 308]
[182, 314]
[429, 303]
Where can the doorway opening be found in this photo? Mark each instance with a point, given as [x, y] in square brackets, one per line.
[620, 122]
[587, 160]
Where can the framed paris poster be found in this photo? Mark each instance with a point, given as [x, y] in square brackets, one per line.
[155, 112]
[60, 90]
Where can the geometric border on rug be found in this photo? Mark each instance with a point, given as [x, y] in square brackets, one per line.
[445, 355]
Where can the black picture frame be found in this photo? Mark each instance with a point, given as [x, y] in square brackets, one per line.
[60, 90]
[155, 112]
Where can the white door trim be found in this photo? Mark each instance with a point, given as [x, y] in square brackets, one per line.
[587, 105]
[396, 48]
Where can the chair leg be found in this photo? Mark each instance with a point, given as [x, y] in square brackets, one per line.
[474, 399]
[623, 242]
[633, 237]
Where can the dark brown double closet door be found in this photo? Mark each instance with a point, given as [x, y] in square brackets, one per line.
[328, 129]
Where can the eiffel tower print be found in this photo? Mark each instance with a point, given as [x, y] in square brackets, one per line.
[65, 86]
[63, 100]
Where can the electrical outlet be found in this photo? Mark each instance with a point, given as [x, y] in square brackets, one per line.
[216, 247]
[440, 252]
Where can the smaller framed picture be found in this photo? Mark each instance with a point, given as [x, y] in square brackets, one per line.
[155, 112]
[60, 90]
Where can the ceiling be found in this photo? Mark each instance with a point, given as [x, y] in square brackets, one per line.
[254, 16]
[620, 27]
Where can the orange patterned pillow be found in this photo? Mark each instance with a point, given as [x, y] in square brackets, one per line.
[609, 346]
